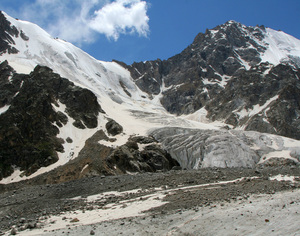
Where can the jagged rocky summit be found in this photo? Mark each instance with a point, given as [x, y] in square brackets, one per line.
[227, 100]
[244, 76]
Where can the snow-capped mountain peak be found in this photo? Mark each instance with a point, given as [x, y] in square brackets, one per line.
[199, 104]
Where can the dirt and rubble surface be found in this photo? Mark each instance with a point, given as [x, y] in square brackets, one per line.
[177, 202]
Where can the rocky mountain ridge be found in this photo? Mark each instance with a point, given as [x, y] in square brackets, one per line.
[226, 71]
[74, 116]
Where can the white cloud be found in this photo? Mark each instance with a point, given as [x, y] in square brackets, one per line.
[80, 21]
[121, 17]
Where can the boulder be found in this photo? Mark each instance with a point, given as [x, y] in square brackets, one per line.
[113, 128]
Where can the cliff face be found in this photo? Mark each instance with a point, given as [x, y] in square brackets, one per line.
[6, 33]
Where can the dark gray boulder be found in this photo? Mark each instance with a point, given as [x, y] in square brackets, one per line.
[150, 158]
[113, 128]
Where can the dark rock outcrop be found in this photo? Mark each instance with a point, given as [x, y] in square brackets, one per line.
[131, 158]
[96, 159]
[29, 128]
[272, 100]
[113, 128]
[212, 55]
[279, 162]
[7, 32]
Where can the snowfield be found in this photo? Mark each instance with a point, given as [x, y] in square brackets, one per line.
[280, 46]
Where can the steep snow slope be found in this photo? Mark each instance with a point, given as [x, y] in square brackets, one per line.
[281, 47]
[67, 60]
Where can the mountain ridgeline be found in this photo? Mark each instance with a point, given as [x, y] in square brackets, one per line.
[223, 72]
[77, 116]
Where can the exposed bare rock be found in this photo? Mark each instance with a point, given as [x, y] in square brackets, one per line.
[29, 128]
[113, 128]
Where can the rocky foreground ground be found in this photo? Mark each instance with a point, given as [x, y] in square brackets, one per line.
[183, 202]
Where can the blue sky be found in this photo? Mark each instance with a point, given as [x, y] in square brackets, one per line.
[138, 30]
